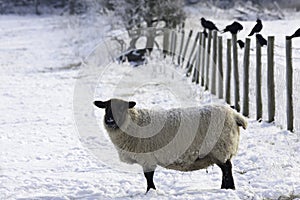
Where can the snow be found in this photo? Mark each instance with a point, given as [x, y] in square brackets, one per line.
[53, 144]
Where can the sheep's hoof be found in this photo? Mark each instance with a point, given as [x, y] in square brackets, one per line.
[227, 182]
[150, 187]
[228, 186]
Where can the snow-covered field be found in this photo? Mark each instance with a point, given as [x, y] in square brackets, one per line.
[43, 151]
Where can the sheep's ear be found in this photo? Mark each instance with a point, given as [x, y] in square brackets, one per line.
[100, 104]
[132, 104]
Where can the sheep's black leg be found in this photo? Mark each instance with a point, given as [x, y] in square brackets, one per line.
[150, 183]
[227, 179]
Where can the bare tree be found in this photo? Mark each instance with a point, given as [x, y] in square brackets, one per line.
[136, 14]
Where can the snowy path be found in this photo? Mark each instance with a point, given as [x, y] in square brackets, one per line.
[41, 156]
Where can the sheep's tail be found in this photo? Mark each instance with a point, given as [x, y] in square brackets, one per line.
[241, 121]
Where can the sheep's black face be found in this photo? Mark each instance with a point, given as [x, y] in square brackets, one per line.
[115, 111]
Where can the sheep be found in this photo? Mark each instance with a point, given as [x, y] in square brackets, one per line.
[183, 139]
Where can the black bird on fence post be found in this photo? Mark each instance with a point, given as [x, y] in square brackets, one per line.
[233, 28]
[257, 28]
[208, 24]
[241, 43]
[262, 41]
[296, 34]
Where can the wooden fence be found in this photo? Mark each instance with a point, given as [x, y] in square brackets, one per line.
[203, 59]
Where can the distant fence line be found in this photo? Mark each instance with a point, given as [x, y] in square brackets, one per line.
[203, 60]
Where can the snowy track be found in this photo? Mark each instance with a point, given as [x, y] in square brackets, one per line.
[41, 156]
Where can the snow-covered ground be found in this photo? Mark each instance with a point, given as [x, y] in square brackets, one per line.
[44, 153]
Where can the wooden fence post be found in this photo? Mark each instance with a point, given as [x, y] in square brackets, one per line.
[258, 82]
[228, 73]
[199, 59]
[186, 46]
[236, 73]
[191, 66]
[271, 82]
[207, 60]
[220, 67]
[289, 85]
[174, 41]
[192, 50]
[192, 57]
[203, 59]
[197, 64]
[246, 77]
[180, 57]
[166, 42]
[214, 64]
[171, 42]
